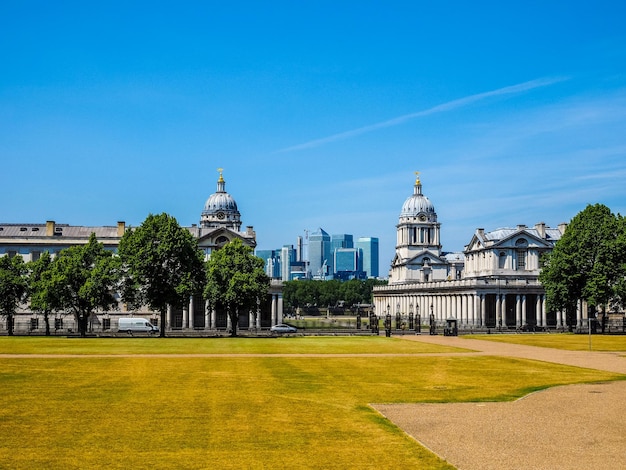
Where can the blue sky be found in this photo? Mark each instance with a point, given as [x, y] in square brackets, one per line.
[319, 112]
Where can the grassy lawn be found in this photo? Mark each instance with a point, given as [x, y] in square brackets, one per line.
[240, 412]
[568, 341]
[225, 345]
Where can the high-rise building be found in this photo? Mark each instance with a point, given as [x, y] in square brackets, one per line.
[319, 254]
[272, 262]
[368, 254]
[346, 259]
[287, 257]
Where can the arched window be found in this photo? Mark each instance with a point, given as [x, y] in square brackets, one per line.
[221, 241]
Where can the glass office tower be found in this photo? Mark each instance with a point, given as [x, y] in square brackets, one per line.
[368, 249]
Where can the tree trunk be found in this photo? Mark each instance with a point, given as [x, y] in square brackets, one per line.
[163, 318]
[10, 324]
[82, 324]
[234, 322]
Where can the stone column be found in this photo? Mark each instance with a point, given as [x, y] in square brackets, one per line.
[524, 316]
[274, 308]
[503, 307]
[539, 314]
[207, 315]
[518, 311]
[191, 312]
[213, 319]
[544, 313]
[279, 312]
[482, 309]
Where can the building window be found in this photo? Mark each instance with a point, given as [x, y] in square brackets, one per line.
[221, 241]
[35, 255]
[521, 260]
[502, 260]
[11, 253]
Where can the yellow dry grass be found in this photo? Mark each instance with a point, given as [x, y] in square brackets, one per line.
[241, 412]
[568, 341]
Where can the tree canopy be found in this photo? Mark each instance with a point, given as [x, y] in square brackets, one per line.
[236, 280]
[42, 294]
[13, 287]
[162, 265]
[588, 262]
[301, 293]
[84, 279]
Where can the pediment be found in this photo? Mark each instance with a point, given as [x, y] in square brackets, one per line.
[520, 240]
[220, 236]
[433, 259]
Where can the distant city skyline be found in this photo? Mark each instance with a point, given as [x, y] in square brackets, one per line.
[324, 256]
[318, 113]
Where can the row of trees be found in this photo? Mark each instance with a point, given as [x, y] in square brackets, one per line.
[157, 264]
[299, 294]
[588, 263]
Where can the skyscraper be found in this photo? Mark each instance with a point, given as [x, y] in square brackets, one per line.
[319, 254]
[368, 250]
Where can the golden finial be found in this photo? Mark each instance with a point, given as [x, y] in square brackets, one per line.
[417, 177]
[221, 180]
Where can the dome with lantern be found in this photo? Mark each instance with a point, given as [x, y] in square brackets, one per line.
[220, 209]
[418, 205]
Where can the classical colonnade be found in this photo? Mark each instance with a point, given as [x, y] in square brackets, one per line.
[192, 312]
[474, 304]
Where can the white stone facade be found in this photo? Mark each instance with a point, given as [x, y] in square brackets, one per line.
[494, 283]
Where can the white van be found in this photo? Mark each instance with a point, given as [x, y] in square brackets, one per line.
[134, 325]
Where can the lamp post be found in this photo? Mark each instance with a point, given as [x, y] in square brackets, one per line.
[388, 322]
[432, 320]
[411, 316]
[418, 320]
[398, 319]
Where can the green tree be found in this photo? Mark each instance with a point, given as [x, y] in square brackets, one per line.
[586, 263]
[236, 280]
[162, 265]
[42, 294]
[13, 287]
[84, 278]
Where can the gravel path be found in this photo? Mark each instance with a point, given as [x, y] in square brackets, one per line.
[568, 427]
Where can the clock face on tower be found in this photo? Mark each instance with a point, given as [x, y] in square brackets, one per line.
[422, 218]
[221, 215]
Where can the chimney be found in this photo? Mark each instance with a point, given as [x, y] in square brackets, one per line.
[250, 231]
[480, 232]
[521, 227]
[50, 228]
[121, 228]
[562, 227]
[541, 228]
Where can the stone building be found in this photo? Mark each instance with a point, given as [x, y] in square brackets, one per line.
[220, 223]
[493, 283]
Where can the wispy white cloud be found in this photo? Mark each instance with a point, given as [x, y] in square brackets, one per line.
[449, 106]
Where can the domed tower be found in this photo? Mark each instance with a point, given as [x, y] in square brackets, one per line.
[220, 209]
[418, 247]
[418, 228]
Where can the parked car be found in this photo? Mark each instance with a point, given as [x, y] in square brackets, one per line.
[283, 328]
